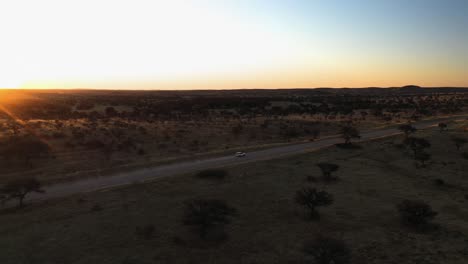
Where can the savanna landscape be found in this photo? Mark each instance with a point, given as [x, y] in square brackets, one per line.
[233, 132]
[396, 199]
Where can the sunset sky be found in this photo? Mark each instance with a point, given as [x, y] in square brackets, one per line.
[225, 44]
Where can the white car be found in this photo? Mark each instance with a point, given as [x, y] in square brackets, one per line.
[240, 154]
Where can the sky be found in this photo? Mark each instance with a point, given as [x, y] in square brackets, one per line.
[231, 44]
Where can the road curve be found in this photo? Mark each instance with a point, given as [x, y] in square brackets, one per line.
[98, 183]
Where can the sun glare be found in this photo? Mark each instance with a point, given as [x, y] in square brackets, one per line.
[9, 82]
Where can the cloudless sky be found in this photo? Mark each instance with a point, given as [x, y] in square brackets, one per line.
[224, 44]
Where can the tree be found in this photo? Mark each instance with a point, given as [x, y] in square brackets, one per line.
[310, 198]
[417, 144]
[205, 215]
[111, 112]
[348, 133]
[459, 142]
[26, 149]
[18, 189]
[442, 126]
[328, 250]
[415, 213]
[327, 169]
[407, 129]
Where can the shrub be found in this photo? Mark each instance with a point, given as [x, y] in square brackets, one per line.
[459, 142]
[442, 126]
[348, 133]
[417, 145]
[439, 182]
[465, 155]
[417, 214]
[407, 129]
[328, 250]
[327, 170]
[310, 198]
[205, 215]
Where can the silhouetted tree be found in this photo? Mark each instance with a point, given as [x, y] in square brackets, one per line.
[27, 149]
[111, 112]
[207, 214]
[348, 133]
[18, 189]
[328, 251]
[417, 144]
[459, 142]
[407, 129]
[416, 214]
[310, 198]
[442, 127]
[327, 170]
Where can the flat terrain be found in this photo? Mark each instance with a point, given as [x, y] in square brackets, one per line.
[64, 135]
[191, 166]
[100, 227]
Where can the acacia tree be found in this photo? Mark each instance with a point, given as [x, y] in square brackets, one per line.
[205, 215]
[407, 129]
[442, 127]
[18, 189]
[310, 198]
[417, 214]
[349, 132]
[327, 169]
[459, 142]
[26, 149]
[417, 145]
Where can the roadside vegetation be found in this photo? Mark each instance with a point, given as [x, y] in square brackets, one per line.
[386, 207]
[65, 135]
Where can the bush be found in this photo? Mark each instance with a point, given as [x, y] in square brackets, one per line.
[459, 142]
[218, 174]
[327, 169]
[205, 215]
[328, 250]
[310, 198]
[349, 132]
[417, 214]
[465, 155]
[439, 182]
[407, 129]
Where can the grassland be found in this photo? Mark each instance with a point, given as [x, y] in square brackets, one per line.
[270, 228]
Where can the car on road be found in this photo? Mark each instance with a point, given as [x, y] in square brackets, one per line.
[240, 154]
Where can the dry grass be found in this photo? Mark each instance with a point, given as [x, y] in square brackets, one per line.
[270, 228]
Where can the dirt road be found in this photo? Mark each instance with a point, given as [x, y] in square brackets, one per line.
[94, 184]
